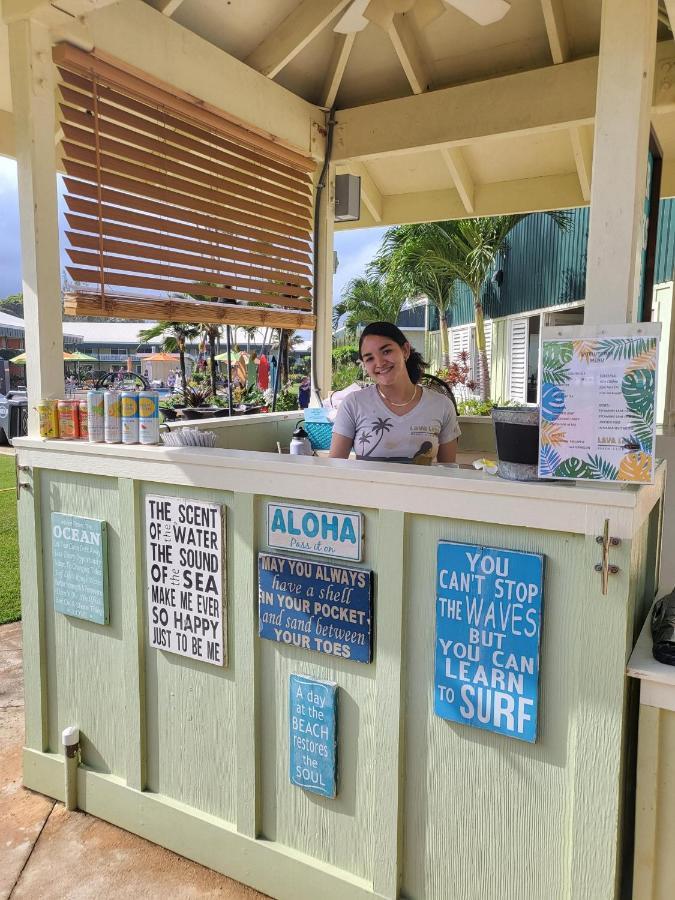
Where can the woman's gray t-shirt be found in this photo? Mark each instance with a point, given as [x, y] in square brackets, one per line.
[378, 433]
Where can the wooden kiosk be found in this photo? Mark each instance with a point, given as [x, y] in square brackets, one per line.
[195, 754]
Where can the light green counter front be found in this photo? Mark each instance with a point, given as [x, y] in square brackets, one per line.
[195, 757]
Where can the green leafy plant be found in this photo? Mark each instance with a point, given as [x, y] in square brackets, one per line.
[346, 375]
[197, 395]
[253, 396]
[286, 401]
[344, 356]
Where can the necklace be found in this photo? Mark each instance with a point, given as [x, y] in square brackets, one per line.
[391, 402]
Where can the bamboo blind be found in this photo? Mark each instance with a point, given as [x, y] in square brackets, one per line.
[176, 212]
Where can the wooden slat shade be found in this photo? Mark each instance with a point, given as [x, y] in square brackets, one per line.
[166, 196]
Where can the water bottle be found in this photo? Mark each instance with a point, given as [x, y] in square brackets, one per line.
[300, 445]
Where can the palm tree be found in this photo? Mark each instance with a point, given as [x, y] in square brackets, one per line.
[175, 337]
[211, 332]
[467, 248]
[408, 255]
[369, 298]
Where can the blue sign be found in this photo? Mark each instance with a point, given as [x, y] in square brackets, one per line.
[313, 728]
[488, 625]
[315, 606]
[80, 567]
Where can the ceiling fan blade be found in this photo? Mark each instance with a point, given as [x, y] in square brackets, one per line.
[485, 12]
[353, 20]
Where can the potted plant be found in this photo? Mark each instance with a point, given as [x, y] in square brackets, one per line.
[196, 399]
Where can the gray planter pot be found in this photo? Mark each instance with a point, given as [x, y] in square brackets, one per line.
[517, 437]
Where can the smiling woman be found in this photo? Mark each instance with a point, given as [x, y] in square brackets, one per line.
[395, 419]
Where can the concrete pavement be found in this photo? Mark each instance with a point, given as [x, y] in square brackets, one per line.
[51, 854]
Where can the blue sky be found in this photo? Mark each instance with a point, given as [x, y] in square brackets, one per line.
[355, 248]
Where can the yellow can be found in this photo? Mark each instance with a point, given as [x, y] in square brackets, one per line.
[48, 416]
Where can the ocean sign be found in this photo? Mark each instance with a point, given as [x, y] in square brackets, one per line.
[80, 567]
[315, 606]
[313, 529]
[488, 627]
[184, 576]
[313, 735]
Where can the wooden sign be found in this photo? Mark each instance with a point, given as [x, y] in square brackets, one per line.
[184, 567]
[313, 735]
[488, 626]
[313, 529]
[80, 567]
[315, 606]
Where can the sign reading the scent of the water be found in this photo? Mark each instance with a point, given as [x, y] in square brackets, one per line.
[184, 567]
[315, 530]
[315, 606]
[313, 743]
[488, 624]
[80, 567]
[598, 399]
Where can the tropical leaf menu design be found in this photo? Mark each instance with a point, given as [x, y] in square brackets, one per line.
[598, 408]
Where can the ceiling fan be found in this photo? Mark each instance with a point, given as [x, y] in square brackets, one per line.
[361, 12]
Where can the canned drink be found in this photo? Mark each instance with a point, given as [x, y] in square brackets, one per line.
[148, 422]
[129, 403]
[69, 420]
[48, 416]
[113, 420]
[84, 419]
[95, 416]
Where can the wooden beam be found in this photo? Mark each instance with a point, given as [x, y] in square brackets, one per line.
[7, 143]
[370, 193]
[168, 7]
[461, 177]
[670, 9]
[499, 198]
[408, 51]
[525, 103]
[141, 309]
[582, 147]
[50, 13]
[296, 31]
[342, 47]
[556, 29]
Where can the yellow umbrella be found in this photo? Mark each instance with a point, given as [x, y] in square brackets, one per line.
[20, 360]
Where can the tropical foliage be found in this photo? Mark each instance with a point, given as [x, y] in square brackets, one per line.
[175, 336]
[369, 298]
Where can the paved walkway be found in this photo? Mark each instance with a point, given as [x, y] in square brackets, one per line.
[51, 854]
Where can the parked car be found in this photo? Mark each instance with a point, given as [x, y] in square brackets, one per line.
[13, 416]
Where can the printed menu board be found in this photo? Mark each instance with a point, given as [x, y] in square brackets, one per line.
[598, 403]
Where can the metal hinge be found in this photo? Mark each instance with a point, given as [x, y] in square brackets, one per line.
[19, 483]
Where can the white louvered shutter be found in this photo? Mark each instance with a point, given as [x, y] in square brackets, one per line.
[488, 342]
[517, 360]
[460, 340]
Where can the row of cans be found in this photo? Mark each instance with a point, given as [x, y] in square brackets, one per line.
[129, 417]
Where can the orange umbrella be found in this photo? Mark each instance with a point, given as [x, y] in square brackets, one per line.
[161, 357]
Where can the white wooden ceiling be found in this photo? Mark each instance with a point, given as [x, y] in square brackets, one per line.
[440, 116]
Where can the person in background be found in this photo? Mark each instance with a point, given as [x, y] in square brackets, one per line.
[395, 418]
[304, 393]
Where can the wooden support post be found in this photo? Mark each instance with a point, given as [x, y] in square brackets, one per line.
[33, 91]
[622, 123]
[322, 344]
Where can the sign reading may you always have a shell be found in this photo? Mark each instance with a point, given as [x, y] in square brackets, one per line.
[598, 403]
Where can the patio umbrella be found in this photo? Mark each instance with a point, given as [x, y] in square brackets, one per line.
[78, 356]
[20, 360]
[161, 357]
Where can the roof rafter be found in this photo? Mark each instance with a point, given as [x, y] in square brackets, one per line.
[370, 193]
[168, 7]
[525, 103]
[461, 177]
[556, 29]
[582, 147]
[296, 31]
[408, 51]
[336, 68]
[670, 9]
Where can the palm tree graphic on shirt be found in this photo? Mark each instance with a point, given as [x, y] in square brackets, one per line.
[379, 428]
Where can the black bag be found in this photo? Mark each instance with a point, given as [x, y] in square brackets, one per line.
[663, 629]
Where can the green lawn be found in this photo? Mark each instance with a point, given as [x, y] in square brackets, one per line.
[10, 604]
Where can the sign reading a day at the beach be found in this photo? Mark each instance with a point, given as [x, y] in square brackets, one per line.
[488, 626]
[313, 529]
[313, 743]
[315, 606]
[80, 567]
[184, 571]
[598, 403]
